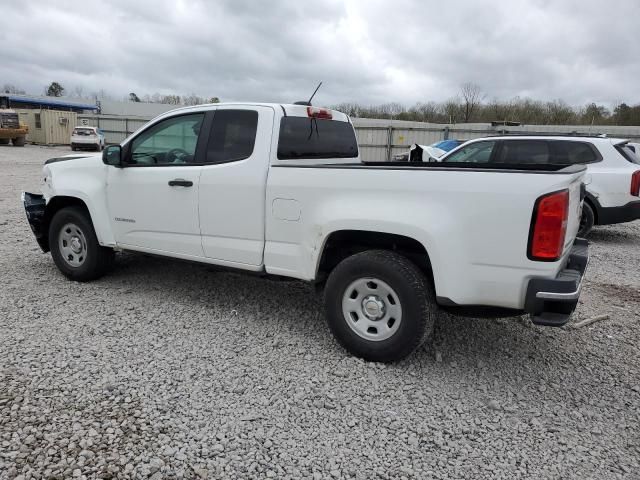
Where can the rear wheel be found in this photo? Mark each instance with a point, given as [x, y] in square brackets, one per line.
[586, 220]
[379, 305]
[19, 141]
[4, 141]
[74, 246]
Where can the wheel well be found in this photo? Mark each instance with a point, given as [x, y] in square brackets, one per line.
[344, 243]
[590, 202]
[56, 204]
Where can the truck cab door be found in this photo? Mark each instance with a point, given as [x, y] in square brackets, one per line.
[153, 199]
[233, 185]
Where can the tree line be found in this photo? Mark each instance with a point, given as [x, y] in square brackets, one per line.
[523, 110]
[469, 106]
[55, 89]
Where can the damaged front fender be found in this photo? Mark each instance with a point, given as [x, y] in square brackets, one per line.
[35, 207]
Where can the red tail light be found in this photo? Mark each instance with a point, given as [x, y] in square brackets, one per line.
[549, 226]
[315, 112]
[635, 184]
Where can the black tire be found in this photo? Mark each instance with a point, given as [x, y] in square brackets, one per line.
[4, 141]
[587, 220]
[19, 141]
[414, 294]
[93, 260]
[73, 148]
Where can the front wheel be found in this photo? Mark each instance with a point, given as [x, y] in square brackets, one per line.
[379, 305]
[74, 246]
[586, 220]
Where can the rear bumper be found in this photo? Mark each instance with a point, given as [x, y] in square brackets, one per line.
[625, 213]
[34, 207]
[551, 301]
[77, 144]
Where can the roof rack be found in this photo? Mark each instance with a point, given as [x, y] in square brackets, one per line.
[547, 134]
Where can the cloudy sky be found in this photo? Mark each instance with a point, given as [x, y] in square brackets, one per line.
[366, 51]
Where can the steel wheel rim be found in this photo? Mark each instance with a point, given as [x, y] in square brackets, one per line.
[372, 309]
[72, 245]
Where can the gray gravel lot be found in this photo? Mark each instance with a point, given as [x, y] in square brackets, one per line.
[170, 370]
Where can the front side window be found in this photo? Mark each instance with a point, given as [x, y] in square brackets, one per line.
[170, 142]
[477, 152]
[233, 135]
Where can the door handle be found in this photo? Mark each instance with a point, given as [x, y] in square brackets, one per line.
[179, 182]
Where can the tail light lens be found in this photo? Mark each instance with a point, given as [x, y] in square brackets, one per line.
[635, 184]
[315, 112]
[549, 226]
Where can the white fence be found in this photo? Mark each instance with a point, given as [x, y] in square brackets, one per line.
[379, 140]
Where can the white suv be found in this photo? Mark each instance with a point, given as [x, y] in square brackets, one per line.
[87, 137]
[613, 169]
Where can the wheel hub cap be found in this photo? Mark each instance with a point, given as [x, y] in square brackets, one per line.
[76, 245]
[72, 245]
[373, 307]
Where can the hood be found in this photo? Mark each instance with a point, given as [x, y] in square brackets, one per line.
[64, 158]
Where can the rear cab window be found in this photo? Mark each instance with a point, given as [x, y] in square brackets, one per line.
[312, 137]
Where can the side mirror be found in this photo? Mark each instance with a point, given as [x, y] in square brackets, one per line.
[112, 155]
[431, 159]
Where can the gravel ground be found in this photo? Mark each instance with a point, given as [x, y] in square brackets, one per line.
[170, 370]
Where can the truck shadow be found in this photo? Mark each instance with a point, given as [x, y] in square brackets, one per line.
[293, 312]
[614, 236]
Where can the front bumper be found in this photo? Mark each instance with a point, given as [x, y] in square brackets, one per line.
[551, 301]
[34, 207]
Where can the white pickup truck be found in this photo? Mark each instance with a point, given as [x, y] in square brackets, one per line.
[281, 190]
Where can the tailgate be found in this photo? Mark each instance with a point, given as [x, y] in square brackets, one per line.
[576, 196]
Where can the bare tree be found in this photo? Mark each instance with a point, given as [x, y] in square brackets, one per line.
[9, 88]
[471, 97]
[451, 110]
[77, 91]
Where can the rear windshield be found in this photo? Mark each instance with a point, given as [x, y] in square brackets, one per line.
[83, 131]
[628, 153]
[302, 137]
